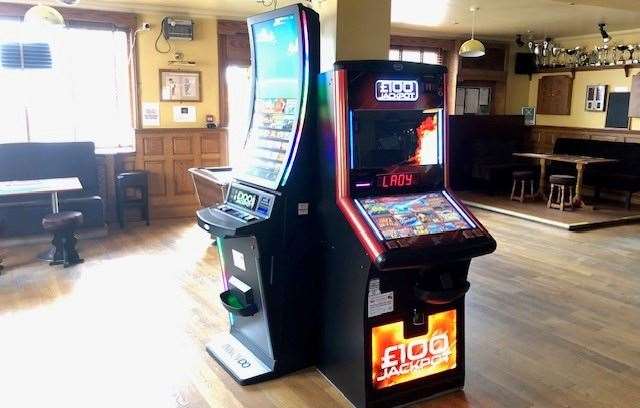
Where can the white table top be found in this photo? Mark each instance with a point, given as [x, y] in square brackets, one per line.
[54, 185]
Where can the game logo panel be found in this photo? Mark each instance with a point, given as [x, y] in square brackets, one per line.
[396, 360]
[413, 215]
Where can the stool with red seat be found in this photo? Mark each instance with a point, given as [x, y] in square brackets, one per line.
[63, 226]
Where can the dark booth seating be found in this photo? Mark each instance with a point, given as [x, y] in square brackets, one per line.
[29, 161]
[481, 151]
[623, 175]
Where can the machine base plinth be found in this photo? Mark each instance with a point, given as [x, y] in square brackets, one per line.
[237, 360]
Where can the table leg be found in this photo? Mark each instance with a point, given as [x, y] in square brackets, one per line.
[55, 206]
[577, 200]
[542, 184]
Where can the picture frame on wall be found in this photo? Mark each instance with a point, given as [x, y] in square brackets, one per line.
[596, 97]
[180, 86]
[529, 113]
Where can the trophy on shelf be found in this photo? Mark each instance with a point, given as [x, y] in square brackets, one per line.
[621, 50]
[559, 57]
[631, 48]
[547, 52]
[572, 57]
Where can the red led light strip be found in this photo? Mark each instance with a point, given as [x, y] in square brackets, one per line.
[343, 197]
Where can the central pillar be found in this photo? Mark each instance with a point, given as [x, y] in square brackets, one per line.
[354, 30]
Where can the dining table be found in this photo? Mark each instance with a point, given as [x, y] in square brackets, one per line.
[581, 162]
[51, 186]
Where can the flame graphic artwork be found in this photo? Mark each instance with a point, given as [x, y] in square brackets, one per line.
[396, 360]
[428, 129]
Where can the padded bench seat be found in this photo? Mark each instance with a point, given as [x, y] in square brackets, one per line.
[23, 215]
[623, 175]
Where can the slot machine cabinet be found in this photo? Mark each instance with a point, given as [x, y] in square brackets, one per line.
[268, 273]
[396, 243]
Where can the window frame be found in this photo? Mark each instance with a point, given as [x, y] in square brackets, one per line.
[97, 19]
[442, 47]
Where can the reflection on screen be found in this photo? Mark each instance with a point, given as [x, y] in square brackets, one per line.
[401, 137]
[278, 69]
[413, 215]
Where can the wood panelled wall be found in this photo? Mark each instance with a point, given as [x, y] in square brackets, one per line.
[167, 154]
[544, 137]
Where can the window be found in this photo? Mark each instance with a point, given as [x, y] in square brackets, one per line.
[238, 79]
[62, 85]
[424, 55]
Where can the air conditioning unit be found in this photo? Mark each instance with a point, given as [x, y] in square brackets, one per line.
[177, 29]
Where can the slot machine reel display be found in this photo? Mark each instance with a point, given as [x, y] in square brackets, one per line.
[268, 272]
[397, 244]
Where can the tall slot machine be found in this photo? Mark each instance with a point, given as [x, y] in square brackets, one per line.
[262, 227]
[397, 243]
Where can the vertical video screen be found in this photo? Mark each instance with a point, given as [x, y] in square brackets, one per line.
[278, 77]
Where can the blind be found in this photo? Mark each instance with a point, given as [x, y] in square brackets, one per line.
[25, 56]
[65, 85]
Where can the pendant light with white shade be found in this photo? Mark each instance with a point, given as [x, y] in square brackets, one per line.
[44, 16]
[472, 48]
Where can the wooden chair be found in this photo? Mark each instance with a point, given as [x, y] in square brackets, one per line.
[522, 177]
[134, 180]
[561, 183]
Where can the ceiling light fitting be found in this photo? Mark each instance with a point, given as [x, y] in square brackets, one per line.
[44, 16]
[472, 48]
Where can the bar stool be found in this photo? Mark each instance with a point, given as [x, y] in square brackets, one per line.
[561, 182]
[523, 177]
[63, 227]
[138, 181]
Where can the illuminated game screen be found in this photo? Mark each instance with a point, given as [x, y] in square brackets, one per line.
[278, 87]
[413, 215]
[385, 138]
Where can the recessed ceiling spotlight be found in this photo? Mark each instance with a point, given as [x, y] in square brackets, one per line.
[69, 2]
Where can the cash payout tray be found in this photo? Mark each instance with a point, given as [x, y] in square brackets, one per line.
[238, 299]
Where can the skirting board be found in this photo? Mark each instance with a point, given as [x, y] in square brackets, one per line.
[577, 226]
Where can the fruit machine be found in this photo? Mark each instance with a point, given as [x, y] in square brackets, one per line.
[262, 227]
[396, 242]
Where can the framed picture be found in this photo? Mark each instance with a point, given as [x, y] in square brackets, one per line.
[529, 113]
[596, 97]
[180, 86]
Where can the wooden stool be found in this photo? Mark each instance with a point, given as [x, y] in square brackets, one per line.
[136, 180]
[523, 177]
[63, 226]
[562, 182]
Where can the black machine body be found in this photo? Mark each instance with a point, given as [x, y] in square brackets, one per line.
[264, 228]
[396, 242]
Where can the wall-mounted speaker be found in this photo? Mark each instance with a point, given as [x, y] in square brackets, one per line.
[525, 63]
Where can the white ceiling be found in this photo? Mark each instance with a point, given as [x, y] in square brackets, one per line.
[505, 18]
[495, 19]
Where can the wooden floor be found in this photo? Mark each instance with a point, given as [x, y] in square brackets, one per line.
[606, 213]
[553, 321]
